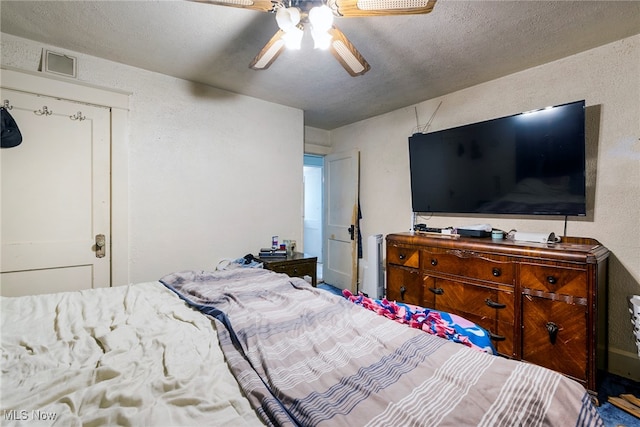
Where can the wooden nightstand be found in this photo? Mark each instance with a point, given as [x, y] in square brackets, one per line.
[295, 265]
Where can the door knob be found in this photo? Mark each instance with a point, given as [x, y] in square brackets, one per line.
[101, 245]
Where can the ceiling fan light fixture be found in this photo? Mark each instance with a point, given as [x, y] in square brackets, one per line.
[321, 40]
[287, 18]
[291, 21]
[321, 18]
[293, 38]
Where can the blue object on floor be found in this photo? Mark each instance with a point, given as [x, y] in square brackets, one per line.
[616, 417]
[330, 288]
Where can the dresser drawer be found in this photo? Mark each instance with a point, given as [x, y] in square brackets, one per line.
[403, 256]
[404, 285]
[554, 280]
[466, 299]
[497, 269]
[553, 335]
[295, 270]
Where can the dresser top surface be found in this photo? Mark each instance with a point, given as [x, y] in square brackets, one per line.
[576, 249]
[295, 257]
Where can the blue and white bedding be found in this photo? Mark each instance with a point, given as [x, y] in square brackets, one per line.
[305, 357]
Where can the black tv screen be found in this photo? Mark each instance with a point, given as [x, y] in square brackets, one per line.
[530, 163]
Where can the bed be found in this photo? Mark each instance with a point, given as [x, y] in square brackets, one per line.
[254, 347]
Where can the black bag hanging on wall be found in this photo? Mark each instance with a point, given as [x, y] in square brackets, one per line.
[10, 135]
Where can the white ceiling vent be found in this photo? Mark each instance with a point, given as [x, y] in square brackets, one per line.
[58, 63]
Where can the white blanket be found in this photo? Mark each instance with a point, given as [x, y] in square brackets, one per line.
[132, 355]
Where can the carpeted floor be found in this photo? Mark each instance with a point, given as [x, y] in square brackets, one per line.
[330, 288]
[611, 385]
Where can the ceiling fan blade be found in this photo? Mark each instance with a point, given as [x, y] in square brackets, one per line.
[261, 5]
[347, 54]
[350, 8]
[269, 52]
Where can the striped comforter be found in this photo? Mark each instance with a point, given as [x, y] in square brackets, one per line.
[305, 357]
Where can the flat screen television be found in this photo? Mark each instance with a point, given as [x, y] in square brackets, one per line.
[530, 163]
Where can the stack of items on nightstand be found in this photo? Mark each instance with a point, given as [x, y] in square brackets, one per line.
[272, 253]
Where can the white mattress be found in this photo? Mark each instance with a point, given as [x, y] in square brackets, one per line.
[131, 355]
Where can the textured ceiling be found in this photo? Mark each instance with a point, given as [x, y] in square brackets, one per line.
[413, 58]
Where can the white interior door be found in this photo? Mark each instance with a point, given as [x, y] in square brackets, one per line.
[55, 197]
[341, 175]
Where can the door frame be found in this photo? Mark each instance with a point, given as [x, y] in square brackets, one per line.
[118, 101]
[308, 162]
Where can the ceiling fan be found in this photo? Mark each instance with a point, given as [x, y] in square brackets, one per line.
[293, 15]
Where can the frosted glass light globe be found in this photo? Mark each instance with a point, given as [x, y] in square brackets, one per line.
[321, 18]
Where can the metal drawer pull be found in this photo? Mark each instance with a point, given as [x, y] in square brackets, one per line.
[552, 280]
[494, 304]
[402, 256]
[496, 337]
[437, 291]
[496, 272]
[402, 292]
[552, 328]
[434, 262]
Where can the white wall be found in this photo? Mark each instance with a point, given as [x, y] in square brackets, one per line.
[317, 141]
[211, 174]
[608, 78]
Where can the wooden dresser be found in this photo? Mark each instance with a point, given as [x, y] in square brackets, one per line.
[541, 303]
